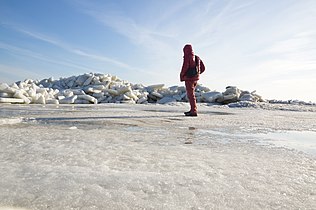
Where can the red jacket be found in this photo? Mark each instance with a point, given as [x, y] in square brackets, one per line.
[189, 62]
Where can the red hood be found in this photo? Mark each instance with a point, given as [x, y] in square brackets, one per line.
[187, 50]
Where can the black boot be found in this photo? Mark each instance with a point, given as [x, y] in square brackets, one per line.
[187, 112]
[191, 114]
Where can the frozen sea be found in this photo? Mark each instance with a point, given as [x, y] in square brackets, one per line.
[119, 156]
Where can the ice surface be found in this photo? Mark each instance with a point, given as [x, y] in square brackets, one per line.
[300, 140]
[10, 121]
[118, 156]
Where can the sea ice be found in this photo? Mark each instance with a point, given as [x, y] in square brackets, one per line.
[124, 156]
[103, 88]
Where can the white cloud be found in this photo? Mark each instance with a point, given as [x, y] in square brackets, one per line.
[29, 53]
[68, 48]
[291, 45]
[138, 34]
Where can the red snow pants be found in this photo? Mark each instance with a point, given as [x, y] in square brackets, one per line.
[190, 88]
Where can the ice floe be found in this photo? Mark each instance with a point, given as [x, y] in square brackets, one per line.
[95, 88]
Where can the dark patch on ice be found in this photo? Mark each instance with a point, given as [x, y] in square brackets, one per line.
[158, 110]
[200, 112]
[44, 119]
[215, 113]
[91, 122]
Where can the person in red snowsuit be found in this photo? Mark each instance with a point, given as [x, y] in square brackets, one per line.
[190, 61]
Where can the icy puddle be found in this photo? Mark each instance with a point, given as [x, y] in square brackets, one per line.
[300, 140]
[304, 141]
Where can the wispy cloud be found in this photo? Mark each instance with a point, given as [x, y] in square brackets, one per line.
[29, 53]
[68, 48]
[138, 34]
[101, 58]
[147, 32]
[293, 55]
[291, 45]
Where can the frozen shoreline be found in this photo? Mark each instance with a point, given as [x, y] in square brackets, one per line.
[98, 88]
[119, 156]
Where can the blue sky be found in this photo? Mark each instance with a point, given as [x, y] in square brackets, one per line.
[268, 46]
